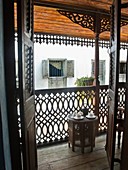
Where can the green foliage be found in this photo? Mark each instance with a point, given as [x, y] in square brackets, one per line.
[84, 81]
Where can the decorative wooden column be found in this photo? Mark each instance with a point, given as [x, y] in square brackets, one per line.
[96, 69]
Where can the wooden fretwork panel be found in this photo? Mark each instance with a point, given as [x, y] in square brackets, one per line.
[28, 70]
[26, 83]
[113, 81]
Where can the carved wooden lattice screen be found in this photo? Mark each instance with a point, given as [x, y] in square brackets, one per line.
[51, 122]
[53, 107]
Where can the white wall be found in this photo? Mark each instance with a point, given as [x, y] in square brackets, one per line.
[123, 55]
[104, 55]
[81, 55]
[82, 60]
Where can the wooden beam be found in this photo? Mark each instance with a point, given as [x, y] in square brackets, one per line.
[72, 8]
[78, 9]
[125, 5]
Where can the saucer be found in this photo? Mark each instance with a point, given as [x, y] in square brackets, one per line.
[78, 118]
[90, 117]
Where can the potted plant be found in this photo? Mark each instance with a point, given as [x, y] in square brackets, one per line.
[84, 81]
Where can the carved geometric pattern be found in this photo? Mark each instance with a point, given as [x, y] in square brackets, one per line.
[123, 23]
[112, 52]
[57, 39]
[53, 105]
[52, 108]
[105, 24]
[29, 17]
[121, 97]
[112, 70]
[112, 23]
[88, 20]
[85, 20]
[103, 109]
[28, 71]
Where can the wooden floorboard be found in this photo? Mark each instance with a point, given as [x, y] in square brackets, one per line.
[61, 157]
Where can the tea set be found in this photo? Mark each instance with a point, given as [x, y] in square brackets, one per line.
[80, 115]
[91, 115]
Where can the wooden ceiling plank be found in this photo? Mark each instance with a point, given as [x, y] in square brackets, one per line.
[80, 8]
[48, 20]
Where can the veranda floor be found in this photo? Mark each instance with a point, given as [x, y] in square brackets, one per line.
[61, 157]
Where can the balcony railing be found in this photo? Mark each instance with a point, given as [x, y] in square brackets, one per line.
[53, 106]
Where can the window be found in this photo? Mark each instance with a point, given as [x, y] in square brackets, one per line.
[56, 68]
[56, 71]
[122, 69]
[101, 70]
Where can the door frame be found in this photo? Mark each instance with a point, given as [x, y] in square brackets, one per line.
[11, 144]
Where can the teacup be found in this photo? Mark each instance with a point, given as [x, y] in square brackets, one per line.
[90, 114]
[79, 114]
